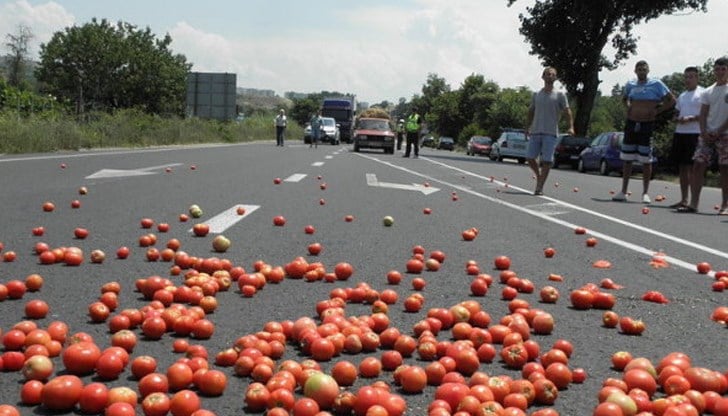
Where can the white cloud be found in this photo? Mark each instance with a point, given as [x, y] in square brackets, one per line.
[43, 20]
[385, 51]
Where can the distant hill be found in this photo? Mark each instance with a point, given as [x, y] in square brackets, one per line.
[253, 103]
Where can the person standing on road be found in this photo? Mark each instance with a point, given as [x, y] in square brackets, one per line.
[542, 129]
[400, 133]
[685, 137]
[644, 99]
[281, 123]
[413, 124]
[316, 123]
[713, 138]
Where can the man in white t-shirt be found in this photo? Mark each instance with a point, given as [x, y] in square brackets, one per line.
[281, 123]
[713, 138]
[687, 130]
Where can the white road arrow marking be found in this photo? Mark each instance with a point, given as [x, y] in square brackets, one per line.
[120, 173]
[372, 181]
[226, 219]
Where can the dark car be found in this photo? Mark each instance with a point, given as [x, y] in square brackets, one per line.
[446, 143]
[479, 145]
[512, 144]
[568, 148]
[428, 141]
[602, 154]
[374, 133]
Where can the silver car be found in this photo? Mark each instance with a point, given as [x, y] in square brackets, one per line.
[512, 144]
[329, 131]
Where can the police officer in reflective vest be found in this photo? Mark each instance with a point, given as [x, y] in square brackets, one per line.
[413, 124]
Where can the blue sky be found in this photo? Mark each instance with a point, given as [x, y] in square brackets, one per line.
[379, 50]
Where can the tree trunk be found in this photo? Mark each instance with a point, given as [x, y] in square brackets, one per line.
[585, 103]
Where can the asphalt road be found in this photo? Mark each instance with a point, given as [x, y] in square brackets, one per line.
[126, 186]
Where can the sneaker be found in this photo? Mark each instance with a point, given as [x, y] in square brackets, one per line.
[646, 199]
[619, 197]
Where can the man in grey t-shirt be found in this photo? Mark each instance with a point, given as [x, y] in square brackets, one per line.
[543, 126]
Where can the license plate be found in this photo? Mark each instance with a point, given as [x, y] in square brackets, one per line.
[574, 157]
[375, 144]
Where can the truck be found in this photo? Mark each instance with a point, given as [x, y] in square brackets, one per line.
[343, 110]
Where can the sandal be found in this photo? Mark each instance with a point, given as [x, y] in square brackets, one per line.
[687, 210]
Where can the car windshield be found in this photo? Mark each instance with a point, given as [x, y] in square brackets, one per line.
[446, 140]
[516, 136]
[483, 140]
[371, 124]
[328, 122]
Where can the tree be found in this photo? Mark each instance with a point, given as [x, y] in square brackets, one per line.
[570, 35]
[104, 67]
[18, 45]
[509, 110]
[303, 108]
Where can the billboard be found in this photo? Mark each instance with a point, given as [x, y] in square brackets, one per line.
[211, 95]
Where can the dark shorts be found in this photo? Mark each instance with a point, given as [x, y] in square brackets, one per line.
[637, 143]
[683, 148]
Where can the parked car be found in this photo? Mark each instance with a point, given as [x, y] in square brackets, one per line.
[511, 144]
[568, 148]
[602, 154]
[374, 133]
[479, 145]
[329, 131]
[446, 143]
[428, 141]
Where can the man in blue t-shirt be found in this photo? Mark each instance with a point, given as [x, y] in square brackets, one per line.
[644, 98]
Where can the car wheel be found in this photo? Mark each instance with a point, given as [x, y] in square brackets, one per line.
[555, 165]
[499, 158]
[580, 166]
[356, 147]
[521, 160]
[604, 168]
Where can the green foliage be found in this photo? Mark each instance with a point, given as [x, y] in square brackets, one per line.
[24, 102]
[584, 28]
[126, 128]
[303, 108]
[99, 66]
[510, 110]
[472, 129]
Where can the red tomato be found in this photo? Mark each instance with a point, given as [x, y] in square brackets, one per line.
[94, 398]
[156, 404]
[502, 262]
[184, 403]
[80, 358]
[30, 393]
[62, 392]
[452, 393]
[212, 383]
[179, 376]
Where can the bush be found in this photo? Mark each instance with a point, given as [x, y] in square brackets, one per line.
[52, 131]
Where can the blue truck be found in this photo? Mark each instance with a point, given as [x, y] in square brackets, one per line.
[343, 110]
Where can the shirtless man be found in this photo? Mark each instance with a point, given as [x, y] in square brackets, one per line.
[644, 98]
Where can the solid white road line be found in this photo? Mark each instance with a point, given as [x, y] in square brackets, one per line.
[226, 219]
[317, 164]
[546, 217]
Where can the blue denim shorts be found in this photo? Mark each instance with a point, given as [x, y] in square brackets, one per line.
[541, 144]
